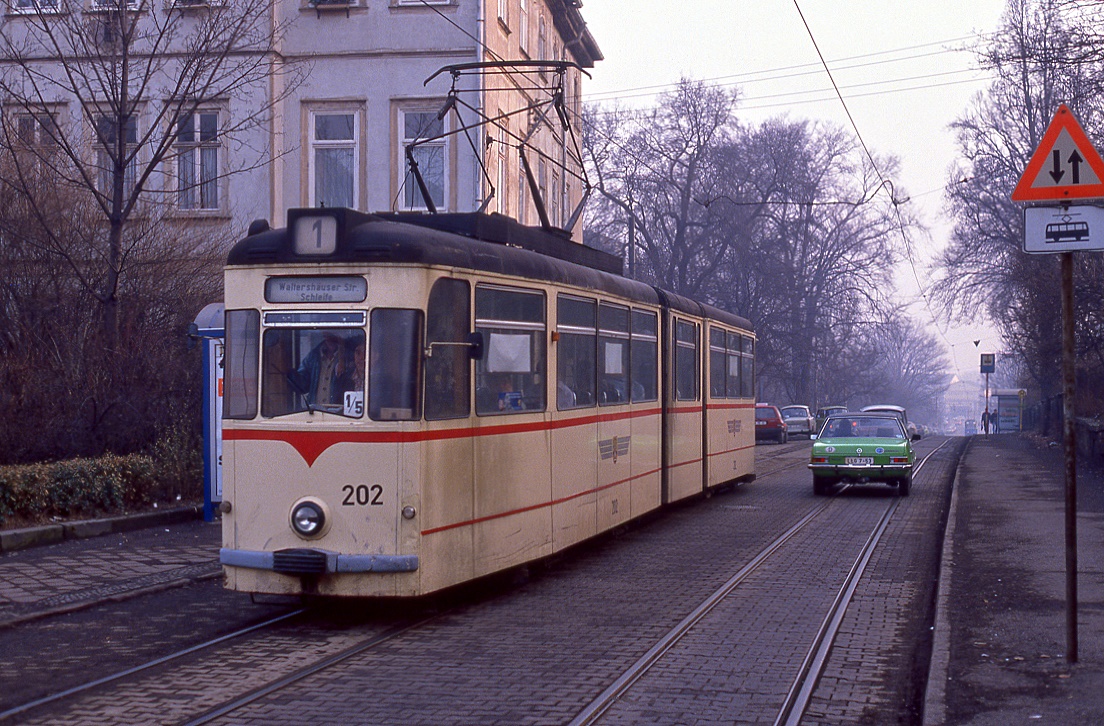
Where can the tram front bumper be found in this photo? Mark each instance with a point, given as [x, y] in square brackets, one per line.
[316, 562]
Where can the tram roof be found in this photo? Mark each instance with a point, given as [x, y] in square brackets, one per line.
[473, 241]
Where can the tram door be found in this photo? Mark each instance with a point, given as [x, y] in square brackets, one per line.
[683, 444]
[447, 490]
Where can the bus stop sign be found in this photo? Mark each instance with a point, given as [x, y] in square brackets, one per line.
[988, 362]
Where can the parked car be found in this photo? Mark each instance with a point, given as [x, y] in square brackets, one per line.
[769, 423]
[824, 412]
[858, 448]
[799, 420]
[899, 412]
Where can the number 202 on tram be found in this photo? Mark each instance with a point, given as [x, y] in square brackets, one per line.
[416, 401]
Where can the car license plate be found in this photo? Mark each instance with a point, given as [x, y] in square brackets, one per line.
[860, 460]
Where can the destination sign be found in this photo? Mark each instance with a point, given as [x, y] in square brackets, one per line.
[320, 289]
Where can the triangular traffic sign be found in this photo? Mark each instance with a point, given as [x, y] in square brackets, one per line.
[1064, 166]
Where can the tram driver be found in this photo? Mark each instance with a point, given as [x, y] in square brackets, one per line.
[318, 377]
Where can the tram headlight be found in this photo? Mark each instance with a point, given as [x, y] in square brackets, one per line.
[308, 518]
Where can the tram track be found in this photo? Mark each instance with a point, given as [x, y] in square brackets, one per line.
[144, 667]
[234, 698]
[804, 685]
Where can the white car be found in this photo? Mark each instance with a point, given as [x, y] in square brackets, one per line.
[899, 412]
[799, 420]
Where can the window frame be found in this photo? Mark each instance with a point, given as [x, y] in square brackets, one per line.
[35, 7]
[537, 331]
[103, 154]
[408, 186]
[314, 145]
[574, 336]
[196, 147]
[679, 348]
[614, 331]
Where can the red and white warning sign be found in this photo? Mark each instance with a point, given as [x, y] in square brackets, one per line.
[1064, 166]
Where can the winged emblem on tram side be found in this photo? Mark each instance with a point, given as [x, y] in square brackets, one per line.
[613, 448]
[734, 426]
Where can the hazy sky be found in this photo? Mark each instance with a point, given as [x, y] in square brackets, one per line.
[903, 68]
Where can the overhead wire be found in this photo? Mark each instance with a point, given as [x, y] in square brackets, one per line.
[885, 182]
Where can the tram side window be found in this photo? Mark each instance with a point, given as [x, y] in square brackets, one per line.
[510, 377]
[448, 368]
[734, 362]
[240, 364]
[576, 323]
[394, 365]
[613, 355]
[644, 359]
[747, 370]
[717, 368]
[686, 361]
[313, 369]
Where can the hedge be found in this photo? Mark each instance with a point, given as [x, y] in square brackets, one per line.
[77, 487]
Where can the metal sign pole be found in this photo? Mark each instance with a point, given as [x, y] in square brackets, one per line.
[1069, 438]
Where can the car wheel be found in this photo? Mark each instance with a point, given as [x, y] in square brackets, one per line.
[903, 486]
[783, 438]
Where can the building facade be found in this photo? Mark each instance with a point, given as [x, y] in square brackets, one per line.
[340, 89]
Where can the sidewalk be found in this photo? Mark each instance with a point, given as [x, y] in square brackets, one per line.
[18, 539]
[999, 654]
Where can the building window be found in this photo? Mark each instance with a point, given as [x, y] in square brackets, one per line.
[502, 201]
[504, 12]
[36, 129]
[425, 128]
[523, 26]
[542, 39]
[107, 156]
[334, 159]
[197, 152]
[523, 185]
[34, 6]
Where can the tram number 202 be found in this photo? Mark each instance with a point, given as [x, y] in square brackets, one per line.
[362, 495]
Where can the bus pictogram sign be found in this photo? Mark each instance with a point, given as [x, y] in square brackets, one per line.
[1064, 166]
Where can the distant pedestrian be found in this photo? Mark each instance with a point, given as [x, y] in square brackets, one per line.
[985, 422]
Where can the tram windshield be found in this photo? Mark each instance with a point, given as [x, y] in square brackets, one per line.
[313, 369]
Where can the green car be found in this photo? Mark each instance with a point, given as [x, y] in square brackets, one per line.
[857, 448]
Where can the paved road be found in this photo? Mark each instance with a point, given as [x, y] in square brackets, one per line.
[534, 651]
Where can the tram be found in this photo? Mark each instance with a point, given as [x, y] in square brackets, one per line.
[415, 401]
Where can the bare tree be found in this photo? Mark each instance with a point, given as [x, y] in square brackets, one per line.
[817, 263]
[1043, 55]
[106, 100]
[118, 120]
[657, 170]
[912, 368]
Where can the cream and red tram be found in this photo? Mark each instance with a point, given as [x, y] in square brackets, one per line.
[412, 402]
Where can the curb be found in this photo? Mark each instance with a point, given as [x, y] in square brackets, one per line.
[18, 539]
[935, 690]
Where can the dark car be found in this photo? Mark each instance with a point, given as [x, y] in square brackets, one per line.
[769, 423]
